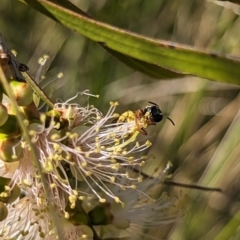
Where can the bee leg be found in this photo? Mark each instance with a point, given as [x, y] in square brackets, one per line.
[143, 131]
[151, 123]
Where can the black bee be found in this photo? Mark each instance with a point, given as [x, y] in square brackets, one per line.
[150, 115]
[154, 114]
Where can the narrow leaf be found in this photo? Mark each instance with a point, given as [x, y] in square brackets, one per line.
[177, 58]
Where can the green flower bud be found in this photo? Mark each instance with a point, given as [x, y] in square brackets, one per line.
[3, 211]
[22, 92]
[1, 92]
[3, 114]
[100, 215]
[10, 127]
[79, 219]
[9, 196]
[10, 149]
[4, 182]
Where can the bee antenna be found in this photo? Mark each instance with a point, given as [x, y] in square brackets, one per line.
[153, 103]
[171, 120]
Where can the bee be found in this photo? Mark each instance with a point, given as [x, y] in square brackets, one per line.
[150, 115]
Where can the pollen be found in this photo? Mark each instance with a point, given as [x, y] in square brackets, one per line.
[66, 215]
[55, 136]
[148, 143]
[142, 163]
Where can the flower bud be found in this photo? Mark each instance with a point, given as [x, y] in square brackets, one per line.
[79, 219]
[9, 196]
[22, 92]
[10, 149]
[3, 211]
[10, 127]
[100, 215]
[3, 114]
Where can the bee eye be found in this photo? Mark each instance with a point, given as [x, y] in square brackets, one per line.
[157, 117]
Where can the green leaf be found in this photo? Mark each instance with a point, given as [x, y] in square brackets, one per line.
[169, 56]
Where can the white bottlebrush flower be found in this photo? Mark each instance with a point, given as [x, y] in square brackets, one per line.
[76, 154]
[28, 220]
[96, 151]
[78, 149]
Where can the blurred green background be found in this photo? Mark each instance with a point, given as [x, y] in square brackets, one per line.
[204, 146]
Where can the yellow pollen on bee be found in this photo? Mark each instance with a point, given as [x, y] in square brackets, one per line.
[116, 115]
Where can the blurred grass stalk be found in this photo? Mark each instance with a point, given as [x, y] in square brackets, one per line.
[222, 169]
